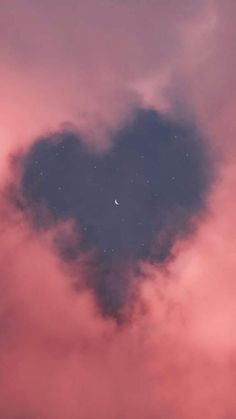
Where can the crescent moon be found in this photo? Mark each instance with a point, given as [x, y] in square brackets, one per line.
[116, 202]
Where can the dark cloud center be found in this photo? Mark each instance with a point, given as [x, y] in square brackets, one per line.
[129, 204]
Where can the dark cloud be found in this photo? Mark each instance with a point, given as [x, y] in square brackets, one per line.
[158, 171]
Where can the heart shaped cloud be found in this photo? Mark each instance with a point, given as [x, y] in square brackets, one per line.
[130, 203]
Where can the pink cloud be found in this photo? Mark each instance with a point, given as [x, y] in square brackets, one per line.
[88, 62]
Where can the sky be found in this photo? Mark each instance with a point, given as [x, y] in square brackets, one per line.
[117, 203]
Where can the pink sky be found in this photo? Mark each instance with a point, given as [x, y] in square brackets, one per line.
[90, 62]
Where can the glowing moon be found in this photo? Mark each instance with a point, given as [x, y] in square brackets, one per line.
[116, 202]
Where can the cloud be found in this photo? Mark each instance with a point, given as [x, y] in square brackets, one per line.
[92, 63]
[82, 59]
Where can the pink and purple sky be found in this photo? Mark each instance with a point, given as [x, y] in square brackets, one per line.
[118, 209]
